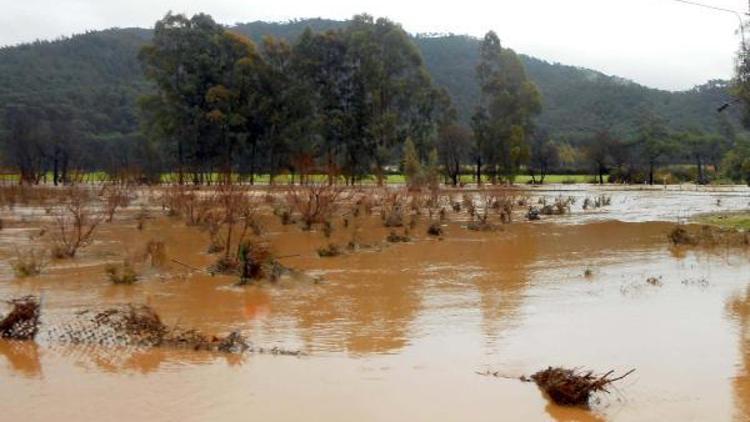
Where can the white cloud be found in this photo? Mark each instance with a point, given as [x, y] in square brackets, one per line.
[660, 43]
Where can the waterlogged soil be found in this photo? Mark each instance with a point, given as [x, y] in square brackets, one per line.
[400, 331]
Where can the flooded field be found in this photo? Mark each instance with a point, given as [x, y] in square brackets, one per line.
[401, 331]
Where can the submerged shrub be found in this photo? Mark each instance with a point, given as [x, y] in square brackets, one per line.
[394, 237]
[28, 264]
[435, 229]
[680, 236]
[329, 251]
[122, 274]
[156, 253]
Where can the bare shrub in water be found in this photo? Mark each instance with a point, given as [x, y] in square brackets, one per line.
[230, 223]
[393, 207]
[598, 202]
[155, 253]
[256, 262]
[115, 196]
[187, 202]
[315, 203]
[121, 274]
[75, 223]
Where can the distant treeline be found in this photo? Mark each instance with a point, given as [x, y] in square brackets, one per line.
[349, 100]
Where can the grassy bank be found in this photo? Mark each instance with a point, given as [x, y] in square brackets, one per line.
[736, 221]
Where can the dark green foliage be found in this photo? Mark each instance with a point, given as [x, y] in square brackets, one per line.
[73, 103]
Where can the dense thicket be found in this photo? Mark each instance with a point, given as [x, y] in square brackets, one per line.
[340, 102]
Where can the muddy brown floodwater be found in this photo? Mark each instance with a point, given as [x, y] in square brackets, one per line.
[400, 332]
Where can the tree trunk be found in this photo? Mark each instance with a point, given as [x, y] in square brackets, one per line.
[479, 171]
[252, 163]
[651, 173]
[55, 165]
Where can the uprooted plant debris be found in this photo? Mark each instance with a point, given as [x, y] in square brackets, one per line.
[22, 323]
[141, 326]
[568, 387]
[572, 387]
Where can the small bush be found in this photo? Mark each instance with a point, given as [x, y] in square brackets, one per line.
[435, 229]
[28, 264]
[156, 253]
[680, 236]
[327, 228]
[124, 274]
[329, 251]
[394, 237]
[256, 262]
[481, 226]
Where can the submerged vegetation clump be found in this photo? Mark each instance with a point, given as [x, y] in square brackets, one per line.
[121, 274]
[435, 229]
[155, 254]
[394, 237]
[680, 236]
[29, 263]
[332, 250]
[22, 323]
[598, 202]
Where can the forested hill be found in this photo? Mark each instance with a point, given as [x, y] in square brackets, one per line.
[99, 73]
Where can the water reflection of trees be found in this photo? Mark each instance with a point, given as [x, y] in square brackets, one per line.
[368, 308]
[371, 306]
[138, 359]
[371, 300]
[22, 357]
[739, 309]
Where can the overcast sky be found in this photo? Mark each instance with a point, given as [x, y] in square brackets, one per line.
[659, 43]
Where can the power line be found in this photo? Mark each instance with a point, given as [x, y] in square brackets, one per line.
[721, 9]
[708, 6]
